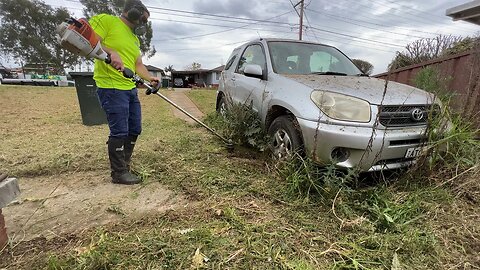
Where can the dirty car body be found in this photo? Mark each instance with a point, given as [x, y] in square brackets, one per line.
[336, 113]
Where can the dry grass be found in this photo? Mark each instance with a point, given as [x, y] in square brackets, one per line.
[244, 217]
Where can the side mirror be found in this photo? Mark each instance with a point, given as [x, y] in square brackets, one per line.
[254, 71]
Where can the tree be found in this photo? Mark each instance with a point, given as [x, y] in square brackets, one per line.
[115, 7]
[27, 33]
[423, 50]
[169, 68]
[464, 45]
[194, 66]
[363, 65]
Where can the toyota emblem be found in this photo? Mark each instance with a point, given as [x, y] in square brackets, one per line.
[416, 115]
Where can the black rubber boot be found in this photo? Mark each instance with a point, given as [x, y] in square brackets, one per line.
[129, 145]
[116, 153]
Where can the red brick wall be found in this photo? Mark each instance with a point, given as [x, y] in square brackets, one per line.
[3, 232]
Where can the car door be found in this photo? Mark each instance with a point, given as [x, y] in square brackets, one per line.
[227, 81]
[249, 90]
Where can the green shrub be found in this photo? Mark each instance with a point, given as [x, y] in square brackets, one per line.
[242, 125]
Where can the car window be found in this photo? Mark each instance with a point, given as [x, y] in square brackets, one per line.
[253, 54]
[307, 58]
[230, 62]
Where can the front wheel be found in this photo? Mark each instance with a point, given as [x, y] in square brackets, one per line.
[285, 136]
[222, 106]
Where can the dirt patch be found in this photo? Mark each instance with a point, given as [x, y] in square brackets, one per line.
[75, 202]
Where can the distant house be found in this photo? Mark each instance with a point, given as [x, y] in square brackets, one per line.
[213, 76]
[155, 71]
[189, 78]
[196, 78]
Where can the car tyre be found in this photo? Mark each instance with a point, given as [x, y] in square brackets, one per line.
[286, 137]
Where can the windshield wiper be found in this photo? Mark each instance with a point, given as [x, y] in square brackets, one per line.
[329, 73]
[362, 75]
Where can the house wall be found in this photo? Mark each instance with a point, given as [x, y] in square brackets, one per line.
[213, 78]
[157, 74]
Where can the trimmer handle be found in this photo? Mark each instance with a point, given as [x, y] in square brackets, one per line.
[128, 73]
[151, 89]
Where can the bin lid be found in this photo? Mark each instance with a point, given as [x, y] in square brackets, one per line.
[80, 74]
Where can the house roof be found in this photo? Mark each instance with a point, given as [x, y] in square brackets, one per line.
[153, 68]
[469, 12]
[190, 72]
[218, 69]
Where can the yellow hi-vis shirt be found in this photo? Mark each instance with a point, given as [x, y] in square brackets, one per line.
[118, 36]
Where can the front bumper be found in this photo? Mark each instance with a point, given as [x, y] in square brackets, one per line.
[367, 150]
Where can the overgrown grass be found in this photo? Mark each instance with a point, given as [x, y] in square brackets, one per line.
[246, 212]
[242, 125]
[454, 148]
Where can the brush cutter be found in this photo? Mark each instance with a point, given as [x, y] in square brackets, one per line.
[78, 37]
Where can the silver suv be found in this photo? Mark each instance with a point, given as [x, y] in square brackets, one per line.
[312, 98]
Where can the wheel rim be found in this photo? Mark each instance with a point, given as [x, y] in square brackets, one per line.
[223, 108]
[282, 144]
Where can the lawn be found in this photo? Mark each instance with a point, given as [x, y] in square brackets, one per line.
[243, 212]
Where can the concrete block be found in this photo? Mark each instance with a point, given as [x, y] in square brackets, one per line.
[9, 190]
[3, 232]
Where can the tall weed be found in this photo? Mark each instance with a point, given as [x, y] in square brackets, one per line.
[242, 125]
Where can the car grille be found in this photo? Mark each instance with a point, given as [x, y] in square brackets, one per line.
[406, 115]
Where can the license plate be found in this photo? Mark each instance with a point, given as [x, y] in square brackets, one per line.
[414, 152]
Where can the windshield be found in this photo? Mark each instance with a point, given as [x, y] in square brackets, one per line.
[304, 58]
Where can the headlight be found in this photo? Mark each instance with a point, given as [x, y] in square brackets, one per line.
[342, 107]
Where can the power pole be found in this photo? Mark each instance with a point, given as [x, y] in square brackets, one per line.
[300, 34]
[302, 7]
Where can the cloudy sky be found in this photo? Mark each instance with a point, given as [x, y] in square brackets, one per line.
[206, 31]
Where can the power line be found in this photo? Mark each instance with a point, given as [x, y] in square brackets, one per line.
[309, 24]
[354, 37]
[367, 22]
[218, 19]
[413, 16]
[215, 15]
[231, 28]
[346, 43]
[363, 40]
[420, 11]
[223, 31]
[369, 27]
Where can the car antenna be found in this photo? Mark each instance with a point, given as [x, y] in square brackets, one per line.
[260, 37]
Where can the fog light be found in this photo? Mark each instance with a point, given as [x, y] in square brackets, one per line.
[340, 154]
